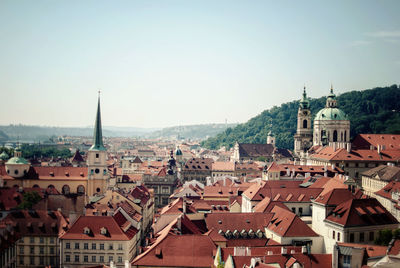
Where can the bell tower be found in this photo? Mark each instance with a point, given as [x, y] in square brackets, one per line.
[98, 176]
[303, 137]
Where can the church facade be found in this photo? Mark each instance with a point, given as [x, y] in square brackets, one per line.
[331, 126]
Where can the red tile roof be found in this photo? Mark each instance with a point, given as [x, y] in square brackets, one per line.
[361, 212]
[95, 223]
[238, 221]
[51, 173]
[37, 222]
[372, 250]
[178, 251]
[361, 155]
[287, 224]
[335, 197]
[364, 141]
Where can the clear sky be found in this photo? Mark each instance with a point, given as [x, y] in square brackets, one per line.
[166, 63]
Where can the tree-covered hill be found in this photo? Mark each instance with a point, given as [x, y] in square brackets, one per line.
[370, 111]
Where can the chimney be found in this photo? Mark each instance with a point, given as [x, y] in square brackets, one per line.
[127, 264]
[379, 149]
[184, 205]
[348, 147]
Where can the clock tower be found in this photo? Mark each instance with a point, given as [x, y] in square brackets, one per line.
[304, 136]
[98, 175]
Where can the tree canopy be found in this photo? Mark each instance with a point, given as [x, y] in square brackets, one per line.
[370, 111]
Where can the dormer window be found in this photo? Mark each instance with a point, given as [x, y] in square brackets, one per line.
[86, 230]
[103, 231]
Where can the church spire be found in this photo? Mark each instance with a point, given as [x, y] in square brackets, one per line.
[98, 136]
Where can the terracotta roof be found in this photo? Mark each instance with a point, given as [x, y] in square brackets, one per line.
[238, 221]
[287, 224]
[394, 247]
[372, 250]
[51, 173]
[219, 191]
[329, 154]
[95, 225]
[135, 215]
[266, 205]
[223, 166]
[303, 169]
[77, 157]
[364, 141]
[335, 197]
[361, 212]
[37, 222]
[386, 192]
[169, 252]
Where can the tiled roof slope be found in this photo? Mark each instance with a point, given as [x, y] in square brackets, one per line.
[384, 173]
[361, 212]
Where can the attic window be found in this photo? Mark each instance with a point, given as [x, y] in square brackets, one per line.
[219, 222]
[86, 230]
[103, 231]
[158, 253]
[52, 173]
[81, 174]
[66, 173]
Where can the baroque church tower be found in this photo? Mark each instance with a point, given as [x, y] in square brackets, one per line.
[304, 134]
[98, 176]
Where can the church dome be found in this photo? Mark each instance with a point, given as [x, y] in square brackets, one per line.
[331, 114]
[178, 152]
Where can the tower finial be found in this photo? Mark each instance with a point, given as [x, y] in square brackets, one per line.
[331, 88]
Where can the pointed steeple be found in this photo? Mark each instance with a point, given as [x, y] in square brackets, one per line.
[304, 102]
[98, 136]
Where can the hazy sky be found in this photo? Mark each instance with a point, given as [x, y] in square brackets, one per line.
[166, 63]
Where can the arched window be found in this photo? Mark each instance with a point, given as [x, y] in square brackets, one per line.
[334, 136]
[345, 135]
[304, 123]
[80, 189]
[65, 189]
[35, 186]
[341, 136]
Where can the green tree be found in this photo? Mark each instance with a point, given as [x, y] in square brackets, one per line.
[29, 199]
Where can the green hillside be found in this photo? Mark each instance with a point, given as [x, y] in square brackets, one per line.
[370, 111]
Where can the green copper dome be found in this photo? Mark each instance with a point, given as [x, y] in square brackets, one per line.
[331, 114]
[304, 102]
[17, 161]
[178, 152]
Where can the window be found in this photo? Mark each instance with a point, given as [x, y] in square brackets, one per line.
[32, 251]
[86, 258]
[102, 246]
[41, 260]
[102, 259]
[361, 237]
[76, 258]
[52, 261]
[32, 239]
[41, 250]
[333, 234]
[351, 237]
[51, 240]
[41, 240]
[32, 260]
[97, 155]
[93, 258]
[300, 211]
[21, 250]
[93, 245]
[110, 258]
[304, 123]
[76, 245]
[165, 189]
[119, 259]
[21, 261]
[51, 250]
[119, 246]
[346, 259]
[338, 236]
[86, 246]
[67, 258]
[371, 236]
[294, 210]
[67, 245]
[111, 247]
